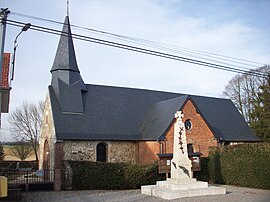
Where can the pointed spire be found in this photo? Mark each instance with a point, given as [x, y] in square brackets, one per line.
[65, 58]
[67, 82]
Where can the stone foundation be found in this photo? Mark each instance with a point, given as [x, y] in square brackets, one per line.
[173, 189]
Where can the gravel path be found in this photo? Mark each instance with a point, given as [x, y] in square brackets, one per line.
[237, 194]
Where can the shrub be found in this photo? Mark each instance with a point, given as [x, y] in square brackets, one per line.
[136, 175]
[97, 175]
[244, 165]
[203, 175]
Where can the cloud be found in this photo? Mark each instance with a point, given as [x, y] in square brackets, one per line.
[214, 26]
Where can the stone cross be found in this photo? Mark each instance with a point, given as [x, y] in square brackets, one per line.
[181, 164]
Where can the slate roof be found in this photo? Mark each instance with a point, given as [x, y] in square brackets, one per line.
[116, 113]
[110, 113]
[66, 79]
[65, 58]
[159, 117]
[96, 112]
[224, 119]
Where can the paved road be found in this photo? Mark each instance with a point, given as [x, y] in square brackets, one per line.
[237, 194]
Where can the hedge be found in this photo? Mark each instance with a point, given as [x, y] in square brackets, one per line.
[97, 175]
[203, 175]
[246, 165]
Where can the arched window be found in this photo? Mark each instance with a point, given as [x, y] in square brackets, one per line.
[102, 152]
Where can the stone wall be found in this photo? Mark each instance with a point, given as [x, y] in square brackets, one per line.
[79, 150]
[117, 151]
[122, 151]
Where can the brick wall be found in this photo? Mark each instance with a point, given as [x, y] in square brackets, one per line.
[59, 155]
[168, 142]
[5, 70]
[147, 152]
[200, 136]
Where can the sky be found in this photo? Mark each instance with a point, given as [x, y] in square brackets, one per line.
[238, 29]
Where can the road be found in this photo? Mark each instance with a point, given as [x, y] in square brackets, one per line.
[234, 194]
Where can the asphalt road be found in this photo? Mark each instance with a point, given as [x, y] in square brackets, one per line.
[234, 194]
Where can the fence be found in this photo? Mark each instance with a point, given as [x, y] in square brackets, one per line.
[28, 176]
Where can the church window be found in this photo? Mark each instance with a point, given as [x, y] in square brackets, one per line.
[102, 152]
[188, 124]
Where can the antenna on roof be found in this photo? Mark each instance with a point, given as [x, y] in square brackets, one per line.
[67, 7]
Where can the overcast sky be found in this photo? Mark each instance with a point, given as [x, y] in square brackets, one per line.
[232, 28]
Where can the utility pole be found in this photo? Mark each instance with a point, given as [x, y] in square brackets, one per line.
[3, 19]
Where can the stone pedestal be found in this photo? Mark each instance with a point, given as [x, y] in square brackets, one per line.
[173, 189]
[181, 184]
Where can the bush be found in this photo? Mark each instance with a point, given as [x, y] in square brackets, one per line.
[136, 176]
[203, 175]
[214, 166]
[97, 175]
[246, 165]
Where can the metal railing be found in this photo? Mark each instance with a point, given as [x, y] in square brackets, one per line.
[28, 176]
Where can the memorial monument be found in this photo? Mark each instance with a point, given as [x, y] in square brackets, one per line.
[181, 184]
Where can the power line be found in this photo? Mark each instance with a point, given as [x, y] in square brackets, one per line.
[140, 50]
[153, 44]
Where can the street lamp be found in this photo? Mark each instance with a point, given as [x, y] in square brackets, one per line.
[24, 29]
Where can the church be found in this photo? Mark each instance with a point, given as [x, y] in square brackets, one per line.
[88, 122]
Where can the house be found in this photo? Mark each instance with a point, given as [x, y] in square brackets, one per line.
[88, 122]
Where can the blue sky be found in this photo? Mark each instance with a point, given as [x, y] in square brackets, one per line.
[238, 29]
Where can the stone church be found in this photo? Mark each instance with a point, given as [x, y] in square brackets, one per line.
[87, 122]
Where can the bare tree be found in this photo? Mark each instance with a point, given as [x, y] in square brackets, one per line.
[22, 150]
[243, 90]
[26, 122]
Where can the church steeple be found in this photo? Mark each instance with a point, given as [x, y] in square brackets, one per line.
[65, 58]
[67, 82]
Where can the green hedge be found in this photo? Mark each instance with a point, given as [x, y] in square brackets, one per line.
[246, 165]
[95, 175]
[203, 175]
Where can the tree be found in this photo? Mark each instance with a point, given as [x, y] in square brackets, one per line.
[26, 122]
[261, 112]
[22, 150]
[243, 90]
